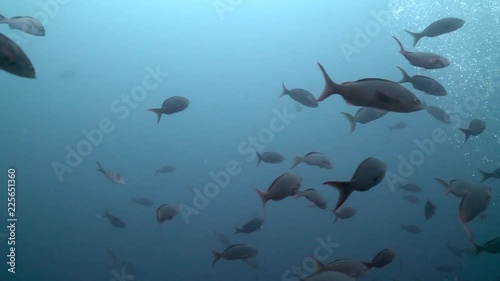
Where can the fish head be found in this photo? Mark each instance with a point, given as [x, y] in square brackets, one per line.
[442, 62]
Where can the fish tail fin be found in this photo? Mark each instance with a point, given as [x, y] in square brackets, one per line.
[318, 266]
[259, 158]
[263, 198]
[406, 77]
[331, 87]
[351, 119]
[296, 161]
[444, 184]
[158, 113]
[477, 249]
[217, 256]
[484, 175]
[284, 92]
[466, 132]
[237, 230]
[2, 19]
[100, 167]
[416, 36]
[402, 49]
[336, 216]
[344, 188]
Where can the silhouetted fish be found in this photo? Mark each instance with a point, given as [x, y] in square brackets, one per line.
[14, 60]
[170, 106]
[437, 28]
[424, 60]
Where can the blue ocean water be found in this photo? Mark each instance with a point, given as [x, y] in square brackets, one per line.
[229, 59]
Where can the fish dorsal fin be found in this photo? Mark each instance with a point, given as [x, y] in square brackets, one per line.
[235, 245]
[310, 153]
[375, 79]
[310, 189]
[275, 181]
[18, 17]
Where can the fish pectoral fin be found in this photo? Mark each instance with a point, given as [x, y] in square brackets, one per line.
[385, 98]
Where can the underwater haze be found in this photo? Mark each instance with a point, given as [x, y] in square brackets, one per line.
[103, 64]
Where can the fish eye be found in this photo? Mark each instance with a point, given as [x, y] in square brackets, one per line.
[417, 101]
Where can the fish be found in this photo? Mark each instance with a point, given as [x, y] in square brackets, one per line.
[491, 247]
[372, 92]
[222, 238]
[143, 201]
[364, 115]
[313, 159]
[351, 268]
[314, 196]
[437, 113]
[444, 268]
[251, 226]
[410, 228]
[110, 175]
[302, 96]
[430, 209]
[344, 213]
[28, 25]
[269, 157]
[284, 186]
[399, 125]
[410, 187]
[437, 28]
[424, 60]
[170, 106]
[423, 83]
[13, 59]
[411, 198]
[456, 187]
[475, 201]
[485, 175]
[368, 174]
[476, 127]
[114, 220]
[235, 252]
[166, 212]
[166, 169]
[383, 258]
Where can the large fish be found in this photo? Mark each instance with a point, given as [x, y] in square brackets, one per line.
[495, 174]
[368, 174]
[474, 202]
[284, 186]
[352, 268]
[14, 60]
[314, 196]
[364, 115]
[110, 175]
[423, 83]
[300, 95]
[314, 159]
[492, 246]
[170, 106]
[476, 127]
[437, 28]
[28, 25]
[235, 252]
[383, 258]
[372, 92]
[251, 226]
[424, 60]
[456, 187]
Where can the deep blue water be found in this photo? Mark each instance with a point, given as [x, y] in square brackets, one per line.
[229, 59]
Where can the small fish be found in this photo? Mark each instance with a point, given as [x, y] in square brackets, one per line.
[372, 92]
[430, 210]
[364, 115]
[222, 238]
[368, 174]
[438, 113]
[300, 95]
[143, 201]
[235, 252]
[269, 157]
[474, 202]
[485, 175]
[166, 212]
[313, 159]
[444, 268]
[399, 125]
[344, 213]
[166, 169]
[14, 60]
[314, 196]
[410, 228]
[476, 127]
[491, 247]
[424, 60]
[423, 83]
[383, 258]
[114, 220]
[437, 28]
[411, 198]
[251, 226]
[410, 187]
[456, 187]
[110, 175]
[284, 186]
[351, 268]
[170, 106]
[28, 25]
